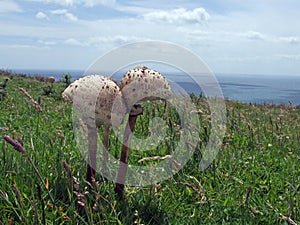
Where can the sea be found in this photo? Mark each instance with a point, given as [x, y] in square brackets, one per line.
[248, 88]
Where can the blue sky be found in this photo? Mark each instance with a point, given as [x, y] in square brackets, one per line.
[231, 36]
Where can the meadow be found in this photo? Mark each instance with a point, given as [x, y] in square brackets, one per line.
[255, 178]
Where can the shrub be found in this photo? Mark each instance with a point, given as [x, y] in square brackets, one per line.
[67, 79]
[48, 90]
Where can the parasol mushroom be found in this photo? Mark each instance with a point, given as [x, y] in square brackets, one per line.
[137, 85]
[93, 96]
[144, 84]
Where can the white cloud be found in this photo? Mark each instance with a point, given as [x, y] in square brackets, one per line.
[23, 46]
[59, 11]
[180, 15]
[101, 41]
[73, 41]
[86, 3]
[291, 40]
[71, 17]
[41, 15]
[253, 35]
[47, 42]
[91, 3]
[133, 9]
[116, 40]
[290, 57]
[65, 13]
[9, 6]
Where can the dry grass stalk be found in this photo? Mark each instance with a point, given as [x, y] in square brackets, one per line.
[17, 191]
[36, 215]
[288, 219]
[17, 146]
[195, 188]
[283, 217]
[155, 158]
[67, 168]
[248, 194]
[39, 193]
[69, 172]
[36, 105]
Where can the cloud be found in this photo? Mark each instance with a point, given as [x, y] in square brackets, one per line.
[47, 42]
[180, 15]
[253, 35]
[73, 41]
[22, 46]
[66, 14]
[59, 11]
[253, 58]
[115, 40]
[291, 40]
[290, 57]
[86, 3]
[41, 15]
[100, 41]
[71, 17]
[9, 6]
[91, 3]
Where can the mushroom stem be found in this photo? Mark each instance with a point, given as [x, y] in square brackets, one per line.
[91, 168]
[119, 190]
[105, 143]
[105, 148]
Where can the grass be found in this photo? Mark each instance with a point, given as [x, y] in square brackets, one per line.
[255, 178]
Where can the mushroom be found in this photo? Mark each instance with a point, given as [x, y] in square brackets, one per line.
[138, 85]
[50, 79]
[93, 96]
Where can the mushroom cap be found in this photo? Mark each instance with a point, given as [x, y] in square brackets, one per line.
[142, 84]
[51, 79]
[94, 96]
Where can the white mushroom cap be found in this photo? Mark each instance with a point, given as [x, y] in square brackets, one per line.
[142, 84]
[51, 79]
[94, 96]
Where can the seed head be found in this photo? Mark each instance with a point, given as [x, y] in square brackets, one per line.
[15, 144]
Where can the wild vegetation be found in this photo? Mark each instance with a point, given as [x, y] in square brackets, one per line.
[255, 178]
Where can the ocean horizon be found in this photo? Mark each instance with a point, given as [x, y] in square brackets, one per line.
[246, 88]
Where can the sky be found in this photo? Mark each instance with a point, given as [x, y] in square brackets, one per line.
[230, 36]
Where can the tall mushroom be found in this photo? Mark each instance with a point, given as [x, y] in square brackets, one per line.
[137, 85]
[93, 96]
